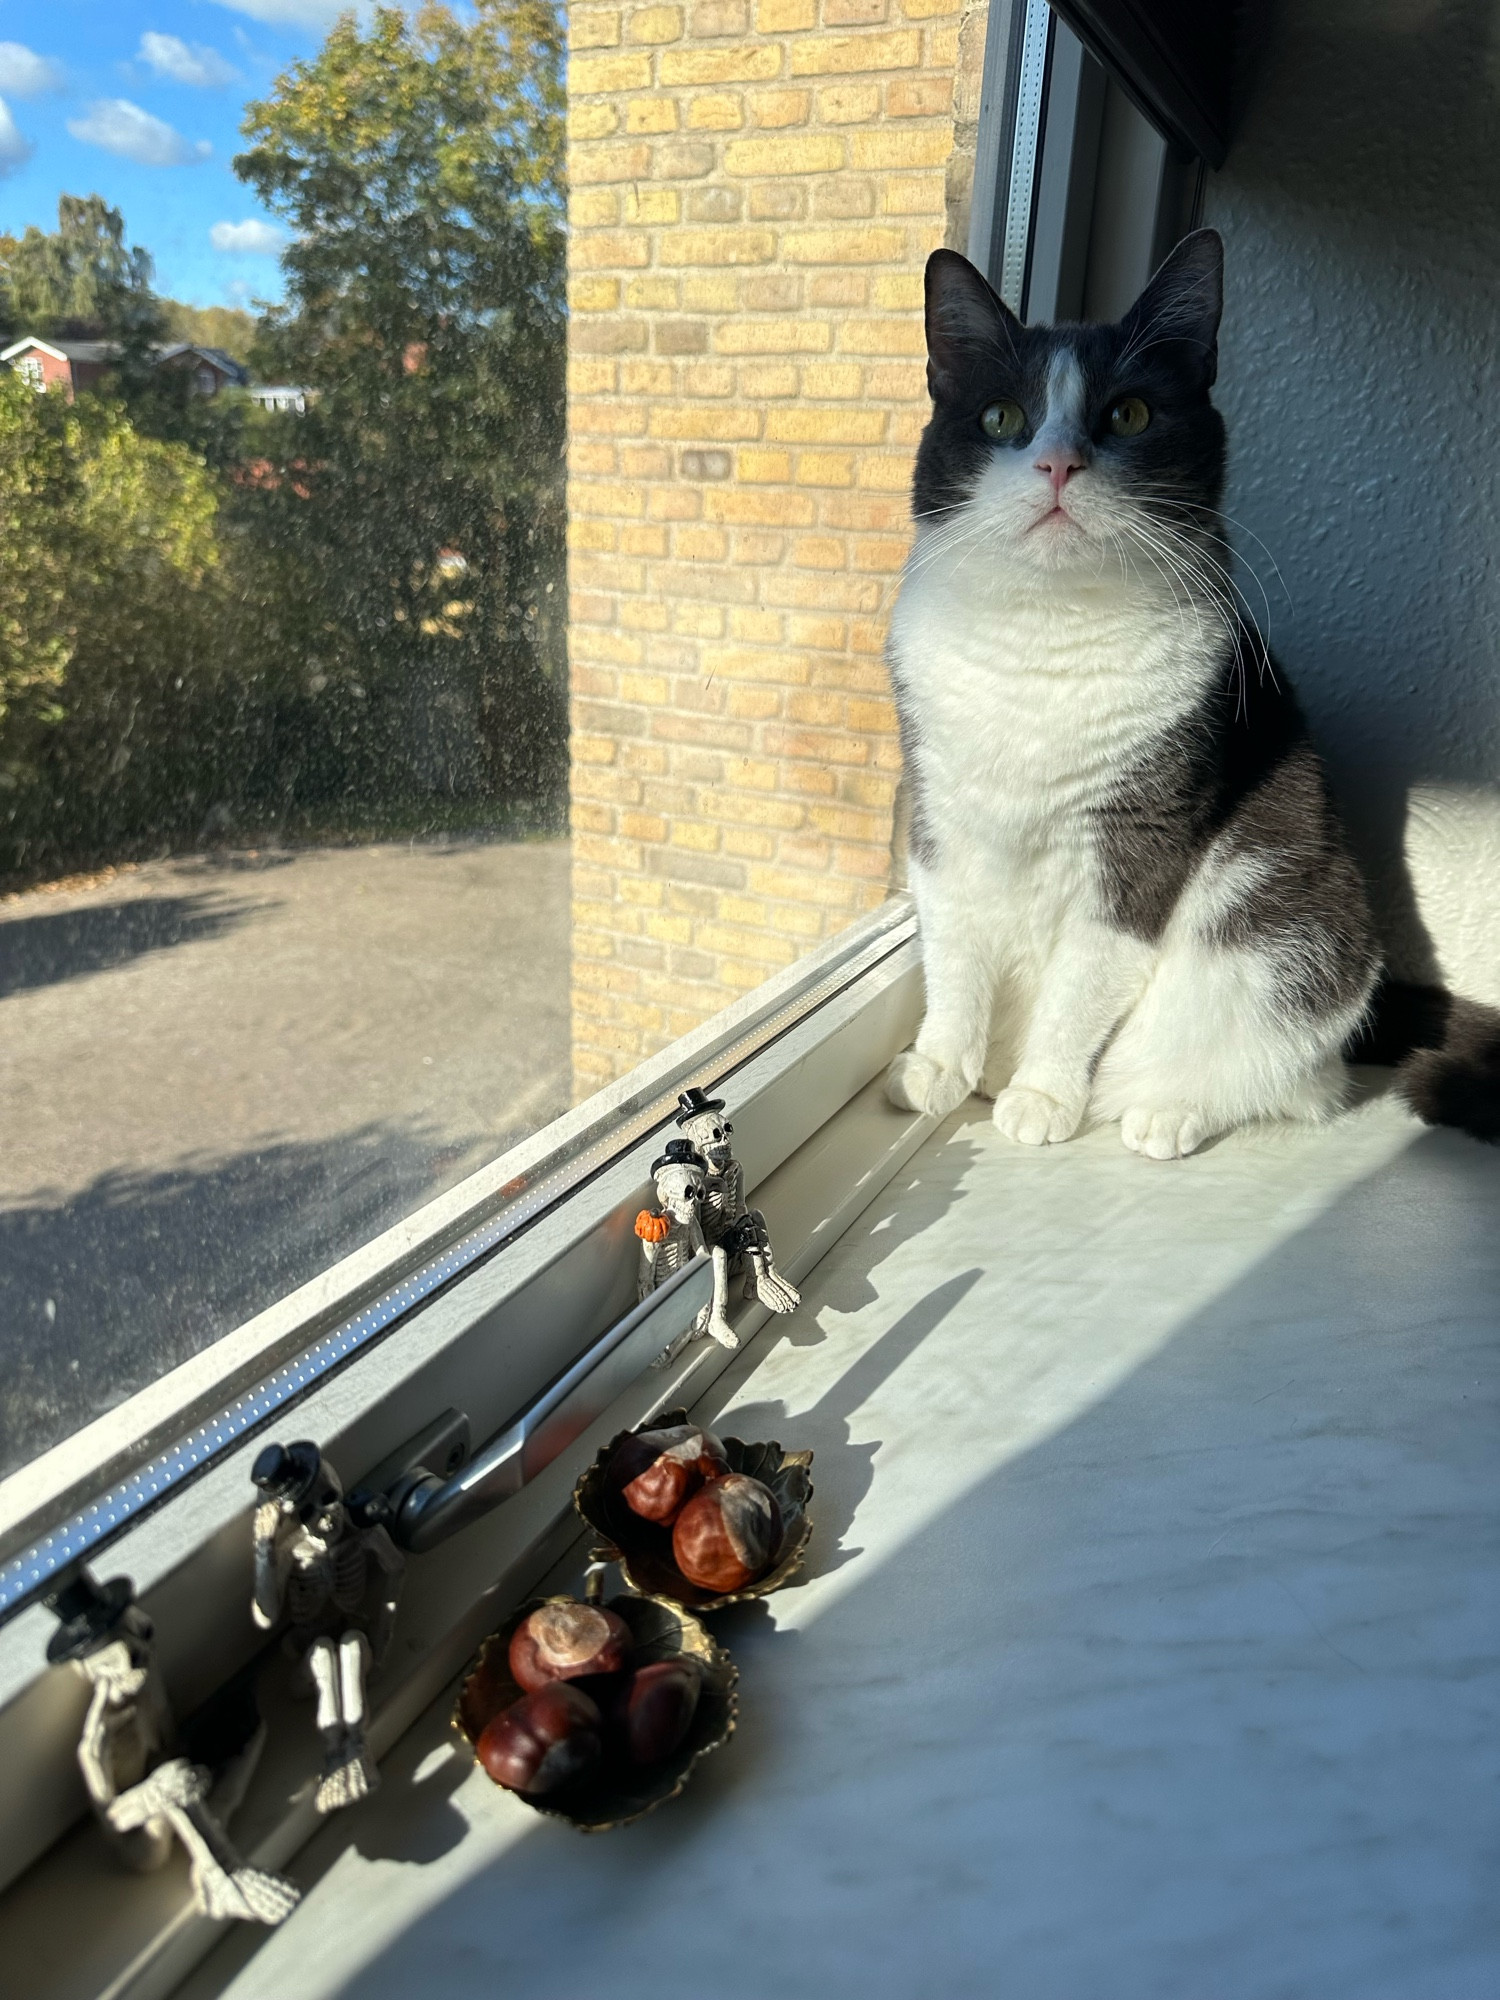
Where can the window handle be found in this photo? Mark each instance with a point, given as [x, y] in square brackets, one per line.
[427, 1509]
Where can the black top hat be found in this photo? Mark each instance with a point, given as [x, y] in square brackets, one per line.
[288, 1472]
[693, 1103]
[91, 1614]
[679, 1153]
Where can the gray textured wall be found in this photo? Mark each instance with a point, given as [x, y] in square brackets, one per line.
[1359, 374]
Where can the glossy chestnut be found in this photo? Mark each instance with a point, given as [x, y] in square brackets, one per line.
[727, 1533]
[648, 1715]
[568, 1641]
[655, 1472]
[547, 1740]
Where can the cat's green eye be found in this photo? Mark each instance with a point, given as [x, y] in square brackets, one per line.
[1129, 417]
[1003, 421]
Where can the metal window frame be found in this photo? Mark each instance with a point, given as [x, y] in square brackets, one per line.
[488, 1341]
[1078, 197]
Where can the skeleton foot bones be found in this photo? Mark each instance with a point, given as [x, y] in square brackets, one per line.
[700, 1191]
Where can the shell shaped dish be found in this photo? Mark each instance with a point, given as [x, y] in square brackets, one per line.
[618, 1795]
[644, 1551]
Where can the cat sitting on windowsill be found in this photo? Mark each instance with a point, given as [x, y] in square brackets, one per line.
[1137, 902]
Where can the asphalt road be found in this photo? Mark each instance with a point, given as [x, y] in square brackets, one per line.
[218, 1074]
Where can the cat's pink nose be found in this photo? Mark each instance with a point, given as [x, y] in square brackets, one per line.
[1059, 462]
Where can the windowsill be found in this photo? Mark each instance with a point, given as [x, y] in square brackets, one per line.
[1143, 1636]
[142, 1937]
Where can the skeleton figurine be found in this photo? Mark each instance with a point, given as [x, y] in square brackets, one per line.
[727, 1222]
[141, 1795]
[672, 1236]
[321, 1563]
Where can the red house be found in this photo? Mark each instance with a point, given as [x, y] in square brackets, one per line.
[78, 364]
[75, 364]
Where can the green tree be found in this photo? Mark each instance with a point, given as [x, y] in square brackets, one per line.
[229, 328]
[119, 676]
[39, 500]
[81, 281]
[418, 163]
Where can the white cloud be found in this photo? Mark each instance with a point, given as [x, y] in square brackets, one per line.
[23, 73]
[293, 13]
[117, 126]
[172, 58]
[15, 147]
[246, 239]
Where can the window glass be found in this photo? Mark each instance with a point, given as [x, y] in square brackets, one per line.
[283, 724]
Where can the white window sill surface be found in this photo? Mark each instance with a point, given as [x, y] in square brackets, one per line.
[1146, 1646]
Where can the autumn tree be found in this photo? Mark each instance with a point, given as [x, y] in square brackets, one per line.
[119, 675]
[417, 161]
[81, 281]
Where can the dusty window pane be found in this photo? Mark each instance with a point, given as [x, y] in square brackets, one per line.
[283, 724]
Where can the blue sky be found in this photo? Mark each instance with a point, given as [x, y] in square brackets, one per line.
[140, 101]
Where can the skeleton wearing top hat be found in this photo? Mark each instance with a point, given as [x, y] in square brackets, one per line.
[674, 1234]
[321, 1566]
[727, 1223]
[148, 1786]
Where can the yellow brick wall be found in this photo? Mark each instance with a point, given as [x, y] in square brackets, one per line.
[755, 187]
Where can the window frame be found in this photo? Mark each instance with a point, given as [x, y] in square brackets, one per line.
[1078, 196]
[486, 1343]
[167, 1432]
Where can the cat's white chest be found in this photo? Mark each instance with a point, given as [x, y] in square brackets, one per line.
[1027, 713]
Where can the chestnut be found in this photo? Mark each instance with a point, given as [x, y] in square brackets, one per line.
[727, 1534]
[654, 1472]
[565, 1641]
[547, 1739]
[648, 1715]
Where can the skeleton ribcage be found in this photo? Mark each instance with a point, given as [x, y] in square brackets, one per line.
[723, 1201]
[349, 1574]
[671, 1255]
[307, 1591]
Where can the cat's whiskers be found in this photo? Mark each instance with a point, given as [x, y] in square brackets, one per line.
[1207, 521]
[1197, 580]
[1224, 580]
[947, 539]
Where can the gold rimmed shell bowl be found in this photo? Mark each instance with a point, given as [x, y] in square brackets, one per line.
[644, 1550]
[618, 1794]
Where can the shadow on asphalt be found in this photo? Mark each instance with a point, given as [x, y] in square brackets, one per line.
[141, 1271]
[47, 947]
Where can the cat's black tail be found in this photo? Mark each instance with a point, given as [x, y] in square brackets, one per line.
[1446, 1052]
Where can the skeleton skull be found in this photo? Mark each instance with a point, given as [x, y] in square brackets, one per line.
[710, 1133]
[679, 1189]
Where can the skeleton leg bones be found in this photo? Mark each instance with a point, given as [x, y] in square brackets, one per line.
[338, 1674]
[762, 1279]
[174, 1795]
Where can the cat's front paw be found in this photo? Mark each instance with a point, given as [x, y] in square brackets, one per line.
[919, 1083]
[1164, 1135]
[1032, 1118]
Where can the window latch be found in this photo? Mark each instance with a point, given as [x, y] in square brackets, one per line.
[428, 1500]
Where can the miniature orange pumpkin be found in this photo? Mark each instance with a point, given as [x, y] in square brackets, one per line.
[652, 1228]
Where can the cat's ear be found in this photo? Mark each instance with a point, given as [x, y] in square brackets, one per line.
[1181, 305]
[968, 323]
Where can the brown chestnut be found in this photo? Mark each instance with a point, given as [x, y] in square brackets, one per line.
[565, 1641]
[547, 1739]
[648, 1715]
[727, 1534]
[654, 1472]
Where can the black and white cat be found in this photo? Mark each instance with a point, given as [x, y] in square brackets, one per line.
[1135, 896]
